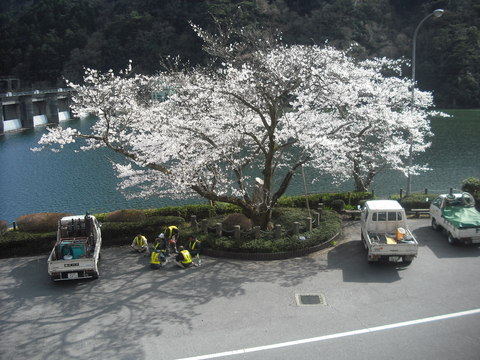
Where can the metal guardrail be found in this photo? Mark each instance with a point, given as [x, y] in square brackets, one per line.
[36, 92]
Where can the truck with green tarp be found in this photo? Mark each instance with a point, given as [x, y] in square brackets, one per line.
[456, 214]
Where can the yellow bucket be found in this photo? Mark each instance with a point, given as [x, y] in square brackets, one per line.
[401, 232]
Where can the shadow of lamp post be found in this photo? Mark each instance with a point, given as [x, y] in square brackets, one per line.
[436, 13]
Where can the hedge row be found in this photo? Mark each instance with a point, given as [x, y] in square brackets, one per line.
[120, 227]
[122, 233]
[186, 211]
[329, 200]
[415, 201]
[19, 243]
[423, 201]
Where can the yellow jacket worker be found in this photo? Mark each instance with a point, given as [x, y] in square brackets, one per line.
[140, 243]
[183, 259]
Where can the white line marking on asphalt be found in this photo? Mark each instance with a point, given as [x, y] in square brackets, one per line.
[334, 336]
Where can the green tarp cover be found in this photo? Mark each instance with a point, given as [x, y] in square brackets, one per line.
[462, 217]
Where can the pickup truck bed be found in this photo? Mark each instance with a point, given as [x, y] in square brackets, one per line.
[385, 234]
[76, 252]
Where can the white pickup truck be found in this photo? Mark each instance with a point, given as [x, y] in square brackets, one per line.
[76, 252]
[456, 213]
[385, 234]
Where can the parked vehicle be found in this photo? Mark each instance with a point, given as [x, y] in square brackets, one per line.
[76, 253]
[385, 233]
[456, 214]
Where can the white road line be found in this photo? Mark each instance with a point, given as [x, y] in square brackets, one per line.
[334, 336]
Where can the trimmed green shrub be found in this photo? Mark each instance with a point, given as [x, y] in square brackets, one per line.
[101, 217]
[19, 243]
[415, 201]
[114, 233]
[40, 222]
[237, 219]
[338, 205]
[286, 216]
[130, 215]
[349, 198]
[202, 211]
[471, 185]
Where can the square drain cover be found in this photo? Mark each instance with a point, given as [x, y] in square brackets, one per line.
[310, 299]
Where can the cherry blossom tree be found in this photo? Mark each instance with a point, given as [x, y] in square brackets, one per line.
[236, 132]
[384, 128]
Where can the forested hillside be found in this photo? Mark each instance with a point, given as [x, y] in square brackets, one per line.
[44, 41]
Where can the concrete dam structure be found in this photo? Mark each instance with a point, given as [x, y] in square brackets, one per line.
[27, 109]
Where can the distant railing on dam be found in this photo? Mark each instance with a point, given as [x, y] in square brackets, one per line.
[27, 109]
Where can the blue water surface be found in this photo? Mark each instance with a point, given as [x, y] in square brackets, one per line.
[76, 182]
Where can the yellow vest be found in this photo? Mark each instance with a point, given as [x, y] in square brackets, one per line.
[192, 244]
[139, 240]
[187, 259]
[170, 231]
[154, 258]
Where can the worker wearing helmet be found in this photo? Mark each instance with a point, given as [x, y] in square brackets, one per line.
[160, 243]
[171, 234]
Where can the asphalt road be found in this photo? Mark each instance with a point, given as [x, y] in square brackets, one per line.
[248, 310]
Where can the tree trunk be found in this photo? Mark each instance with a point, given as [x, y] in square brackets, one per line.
[260, 217]
[357, 177]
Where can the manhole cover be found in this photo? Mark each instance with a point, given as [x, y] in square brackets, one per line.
[310, 299]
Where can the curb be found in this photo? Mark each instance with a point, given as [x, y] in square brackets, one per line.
[268, 256]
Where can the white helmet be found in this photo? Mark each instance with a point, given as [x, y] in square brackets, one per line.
[161, 236]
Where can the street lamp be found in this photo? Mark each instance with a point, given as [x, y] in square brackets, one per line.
[436, 13]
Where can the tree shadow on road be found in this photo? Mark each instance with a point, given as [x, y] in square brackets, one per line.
[84, 318]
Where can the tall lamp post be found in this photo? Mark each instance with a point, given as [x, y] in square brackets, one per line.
[436, 13]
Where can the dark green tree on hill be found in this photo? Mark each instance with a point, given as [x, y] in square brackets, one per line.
[43, 41]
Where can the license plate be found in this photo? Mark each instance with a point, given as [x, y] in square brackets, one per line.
[72, 275]
[394, 258]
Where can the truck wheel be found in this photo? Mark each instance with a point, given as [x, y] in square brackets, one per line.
[451, 239]
[407, 260]
[435, 225]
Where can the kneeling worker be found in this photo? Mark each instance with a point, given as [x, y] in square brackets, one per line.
[194, 246]
[140, 243]
[157, 258]
[183, 259]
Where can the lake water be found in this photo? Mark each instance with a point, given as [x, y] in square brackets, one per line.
[76, 182]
